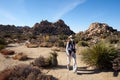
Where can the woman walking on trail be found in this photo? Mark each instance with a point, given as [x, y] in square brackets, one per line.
[71, 53]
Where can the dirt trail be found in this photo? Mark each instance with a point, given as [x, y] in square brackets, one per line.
[59, 72]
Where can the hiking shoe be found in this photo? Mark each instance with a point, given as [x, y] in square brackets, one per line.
[75, 70]
[68, 67]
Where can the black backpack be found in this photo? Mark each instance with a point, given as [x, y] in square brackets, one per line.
[71, 45]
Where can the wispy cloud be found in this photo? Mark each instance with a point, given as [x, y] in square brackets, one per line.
[7, 15]
[67, 8]
[13, 14]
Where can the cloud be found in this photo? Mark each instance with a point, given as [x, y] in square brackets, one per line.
[12, 13]
[69, 7]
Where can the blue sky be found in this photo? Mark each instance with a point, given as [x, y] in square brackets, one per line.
[78, 14]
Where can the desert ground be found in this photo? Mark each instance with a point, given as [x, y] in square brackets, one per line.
[83, 73]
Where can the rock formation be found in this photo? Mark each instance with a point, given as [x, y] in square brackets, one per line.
[96, 32]
[44, 27]
[99, 29]
[56, 28]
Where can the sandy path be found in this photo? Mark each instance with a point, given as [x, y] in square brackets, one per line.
[60, 72]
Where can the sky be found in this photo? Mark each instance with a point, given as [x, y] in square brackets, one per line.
[77, 14]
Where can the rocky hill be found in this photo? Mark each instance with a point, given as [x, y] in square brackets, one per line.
[45, 27]
[97, 31]
[9, 29]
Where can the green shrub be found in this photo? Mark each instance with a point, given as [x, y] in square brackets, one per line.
[60, 43]
[2, 41]
[82, 43]
[112, 39]
[53, 59]
[2, 44]
[99, 56]
[2, 47]
[62, 37]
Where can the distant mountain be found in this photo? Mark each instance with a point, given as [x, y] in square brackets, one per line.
[9, 29]
[45, 27]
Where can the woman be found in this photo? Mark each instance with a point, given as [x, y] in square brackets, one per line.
[70, 51]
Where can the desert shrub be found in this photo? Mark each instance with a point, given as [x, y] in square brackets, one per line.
[55, 49]
[32, 36]
[62, 37]
[46, 38]
[32, 45]
[24, 72]
[43, 62]
[82, 43]
[2, 41]
[46, 44]
[112, 39]
[20, 56]
[99, 56]
[7, 52]
[53, 59]
[60, 43]
[2, 46]
[7, 35]
[53, 39]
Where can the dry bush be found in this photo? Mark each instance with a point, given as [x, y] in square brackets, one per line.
[20, 56]
[55, 49]
[24, 72]
[53, 59]
[46, 44]
[41, 62]
[7, 52]
[2, 46]
[4, 75]
[32, 45]
[60, 43]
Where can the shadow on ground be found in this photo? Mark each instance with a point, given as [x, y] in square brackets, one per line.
[84, 70]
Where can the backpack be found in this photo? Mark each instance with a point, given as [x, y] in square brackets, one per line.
[71, 46]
